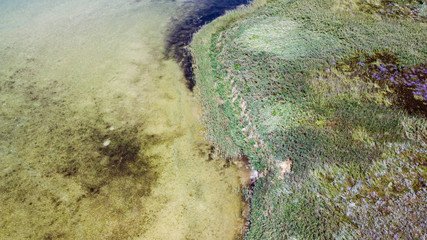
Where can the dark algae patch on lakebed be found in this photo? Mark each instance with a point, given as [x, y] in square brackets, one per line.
[99, 136]
[327, 100]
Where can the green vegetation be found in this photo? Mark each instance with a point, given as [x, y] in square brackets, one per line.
[336, 87]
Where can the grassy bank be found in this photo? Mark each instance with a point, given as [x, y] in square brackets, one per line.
[327, 98]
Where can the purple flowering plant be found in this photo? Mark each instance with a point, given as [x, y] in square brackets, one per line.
[382, 68]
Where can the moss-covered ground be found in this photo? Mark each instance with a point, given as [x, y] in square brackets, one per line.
[336, 88]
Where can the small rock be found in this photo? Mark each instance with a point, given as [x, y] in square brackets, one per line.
[107, 142]
[285, 167]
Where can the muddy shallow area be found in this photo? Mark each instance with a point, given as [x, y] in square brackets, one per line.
[99, 136]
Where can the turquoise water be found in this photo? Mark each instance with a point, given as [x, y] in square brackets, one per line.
[99, 136]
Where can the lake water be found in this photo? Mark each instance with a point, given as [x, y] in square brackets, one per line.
[99, 136]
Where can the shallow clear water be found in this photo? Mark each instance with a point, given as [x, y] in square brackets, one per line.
[99, 137]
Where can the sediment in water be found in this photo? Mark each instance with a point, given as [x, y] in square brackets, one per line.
[99, 137]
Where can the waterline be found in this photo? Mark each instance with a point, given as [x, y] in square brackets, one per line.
[99, 136]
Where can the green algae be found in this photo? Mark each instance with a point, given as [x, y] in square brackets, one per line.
[99, 137]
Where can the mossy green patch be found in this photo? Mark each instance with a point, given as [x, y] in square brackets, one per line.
[286, 39]
[312, 103]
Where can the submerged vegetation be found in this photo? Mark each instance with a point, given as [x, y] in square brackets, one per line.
[342, 97]
[99, 137]
[58, 162]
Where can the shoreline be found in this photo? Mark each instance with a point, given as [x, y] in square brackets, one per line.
[181, 30]
[305, 135]
[100, 137]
